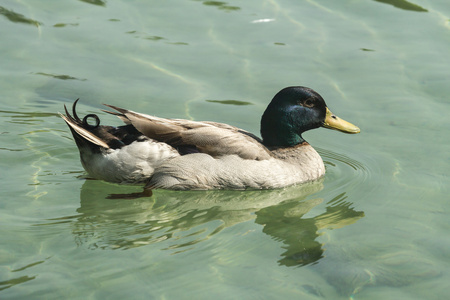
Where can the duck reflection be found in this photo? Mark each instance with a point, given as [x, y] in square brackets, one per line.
[179, 220]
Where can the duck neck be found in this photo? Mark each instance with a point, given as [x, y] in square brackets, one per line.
[279, 134]
[283, 127]
[282, 140]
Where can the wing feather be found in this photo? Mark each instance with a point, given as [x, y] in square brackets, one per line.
[216, 139]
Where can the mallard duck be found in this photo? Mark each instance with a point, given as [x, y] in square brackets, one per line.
[181, 154]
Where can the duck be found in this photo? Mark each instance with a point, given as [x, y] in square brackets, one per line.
[178, 154]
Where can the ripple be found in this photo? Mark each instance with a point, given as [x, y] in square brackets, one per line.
[344, 172]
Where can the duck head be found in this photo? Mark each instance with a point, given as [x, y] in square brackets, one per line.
[295, 110]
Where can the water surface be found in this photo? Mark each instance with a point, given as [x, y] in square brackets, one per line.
[376, 227]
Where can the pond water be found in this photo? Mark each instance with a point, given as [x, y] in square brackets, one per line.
[377, 225]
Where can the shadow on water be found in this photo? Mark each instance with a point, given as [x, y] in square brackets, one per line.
[230, 102]
[95, 2]
[17, 18]
[12, 282]
[221, 5]
[403, 4]
[21, 279]
[180, 220]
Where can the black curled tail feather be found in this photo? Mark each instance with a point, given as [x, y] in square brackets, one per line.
[95, 117]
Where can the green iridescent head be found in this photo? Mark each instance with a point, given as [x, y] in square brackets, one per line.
[295, 110]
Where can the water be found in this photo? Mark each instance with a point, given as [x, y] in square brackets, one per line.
[376, 227]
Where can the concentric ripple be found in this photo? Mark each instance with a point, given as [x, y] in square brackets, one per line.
[344, 172]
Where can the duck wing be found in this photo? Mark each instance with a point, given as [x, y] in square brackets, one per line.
[215, 139]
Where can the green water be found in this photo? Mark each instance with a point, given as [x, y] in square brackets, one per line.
[376, 227]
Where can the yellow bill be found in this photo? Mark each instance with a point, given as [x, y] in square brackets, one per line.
[334, 122]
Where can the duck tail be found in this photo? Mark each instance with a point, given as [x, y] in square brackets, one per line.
[120, 114]
[81, 129]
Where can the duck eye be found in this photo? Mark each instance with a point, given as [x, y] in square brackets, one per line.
[308, 102]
